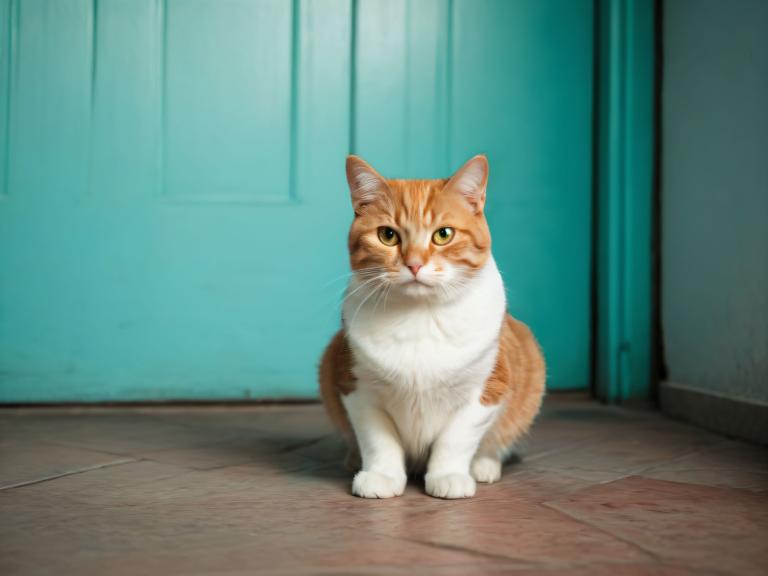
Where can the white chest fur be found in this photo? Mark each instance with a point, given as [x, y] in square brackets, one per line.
[422, 361]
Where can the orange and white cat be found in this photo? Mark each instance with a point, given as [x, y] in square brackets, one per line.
[429, 371]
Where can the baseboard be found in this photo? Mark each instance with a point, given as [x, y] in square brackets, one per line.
[735, 417]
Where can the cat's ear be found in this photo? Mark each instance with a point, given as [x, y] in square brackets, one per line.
[365, 184]
[470, 181]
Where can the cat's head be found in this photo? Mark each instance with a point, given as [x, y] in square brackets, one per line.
[420, 238]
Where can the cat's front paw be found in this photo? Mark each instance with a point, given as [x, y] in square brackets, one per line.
[376, 485]
[450, 485]
[486, 469]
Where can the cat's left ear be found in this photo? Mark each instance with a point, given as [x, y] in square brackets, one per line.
[470, 181]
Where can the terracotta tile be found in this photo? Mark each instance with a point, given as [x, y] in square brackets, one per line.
[728, 464]
[521, 482]
[701, 527]
[614, 569]
[184, 528]
[279, 554]
[22, 461]
[147, 520]
[516, 530]
[615, 453]
[101, 485]
[239, 490]
[16, 429]
[329, 449]
[588, 412]
[127, 433]
[561, 430]
[281, 420]
[270, 451]
[550, 436]
[246, 437]
[157, 484]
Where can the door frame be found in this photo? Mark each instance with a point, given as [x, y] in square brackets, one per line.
[624, 187]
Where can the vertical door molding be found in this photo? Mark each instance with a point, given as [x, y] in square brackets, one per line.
[8, 35]
[623, 198]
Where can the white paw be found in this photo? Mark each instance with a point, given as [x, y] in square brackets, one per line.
[376, 485]
[450, 486]
[486, 469]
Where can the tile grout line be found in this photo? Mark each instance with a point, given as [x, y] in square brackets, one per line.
[641, 470]
[652, 467]
[78, 446]
[471, 552]
[69, 473]
[652, 555]
[544, 453]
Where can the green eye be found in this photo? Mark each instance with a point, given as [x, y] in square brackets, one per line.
[388, 236]
[442, 236]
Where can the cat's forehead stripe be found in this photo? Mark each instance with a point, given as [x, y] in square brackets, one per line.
[416, 199]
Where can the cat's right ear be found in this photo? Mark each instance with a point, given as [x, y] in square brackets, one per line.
[470, 181]
[365, 184]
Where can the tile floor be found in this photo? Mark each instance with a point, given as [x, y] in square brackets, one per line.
[245, 490]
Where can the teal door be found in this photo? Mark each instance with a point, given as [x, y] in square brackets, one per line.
[173, 209]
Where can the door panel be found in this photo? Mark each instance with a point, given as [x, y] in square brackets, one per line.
[401, 86]
[133, 265]
[174, 210]
[227, 99]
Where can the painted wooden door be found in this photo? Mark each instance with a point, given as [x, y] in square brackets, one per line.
[173, 207]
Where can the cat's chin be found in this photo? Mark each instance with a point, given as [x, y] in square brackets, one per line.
[418, 290]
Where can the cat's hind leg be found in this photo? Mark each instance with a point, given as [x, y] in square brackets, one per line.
[486, 464]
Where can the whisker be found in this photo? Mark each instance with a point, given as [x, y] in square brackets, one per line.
[363, 285]
[344, 276]
[386, 297]
[378, 299]
[364, 301]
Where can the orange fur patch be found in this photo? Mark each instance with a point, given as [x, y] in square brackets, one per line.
[517, 381]
[336, 379]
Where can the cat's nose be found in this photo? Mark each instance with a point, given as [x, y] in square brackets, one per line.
[414, 268]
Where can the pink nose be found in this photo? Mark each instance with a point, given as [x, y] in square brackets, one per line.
[414, 268]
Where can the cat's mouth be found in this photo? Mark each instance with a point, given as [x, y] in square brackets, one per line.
[416, 288]
[417, 281]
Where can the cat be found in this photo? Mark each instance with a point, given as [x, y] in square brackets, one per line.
[429, 372]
